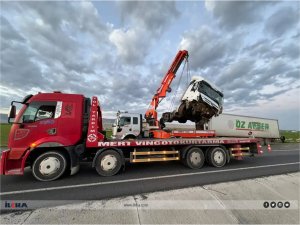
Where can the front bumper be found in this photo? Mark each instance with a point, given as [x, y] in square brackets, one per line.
[12, 166]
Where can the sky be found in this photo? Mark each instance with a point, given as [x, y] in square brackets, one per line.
[119, 51]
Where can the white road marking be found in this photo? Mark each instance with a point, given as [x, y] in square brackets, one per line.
[290, 150]
[140, 179]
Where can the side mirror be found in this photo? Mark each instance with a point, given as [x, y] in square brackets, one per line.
[12, 113]
[119, 129]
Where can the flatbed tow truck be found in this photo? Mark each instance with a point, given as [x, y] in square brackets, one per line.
[54, 132]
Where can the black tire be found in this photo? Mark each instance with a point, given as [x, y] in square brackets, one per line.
[49, 166]
[130, 137]
[207, 153]
[182, 121]
[216, 157]
[108, 163]
[183, 161]
[194, 158]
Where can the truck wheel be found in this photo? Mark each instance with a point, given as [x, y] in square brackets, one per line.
[194, 158]
[130, 137]
[49, 166]
[108, 163]
[216, 157]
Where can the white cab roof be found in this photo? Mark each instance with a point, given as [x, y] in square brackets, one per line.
[199, 78]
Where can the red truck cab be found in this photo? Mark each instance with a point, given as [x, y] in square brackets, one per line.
[46, 121]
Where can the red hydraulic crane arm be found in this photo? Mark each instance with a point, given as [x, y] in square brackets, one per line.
[165, 85]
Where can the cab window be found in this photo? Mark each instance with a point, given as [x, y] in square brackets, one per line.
[135, 120]
[37, 111]
[125, 121]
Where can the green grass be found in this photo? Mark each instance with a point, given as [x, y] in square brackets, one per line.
[108, 134]
[290, 136]
[4, 131]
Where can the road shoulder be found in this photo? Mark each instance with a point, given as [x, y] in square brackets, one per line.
[224, 203]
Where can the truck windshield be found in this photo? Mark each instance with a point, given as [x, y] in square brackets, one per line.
[210, 92]
[37, 111]
[124, 121]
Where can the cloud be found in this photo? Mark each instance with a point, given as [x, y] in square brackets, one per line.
[130, 45]
[147, 21]
[287, 48]
[45, 47]
[18, 68]
[205, 47]
[82, 16]
[291, 50]
[244, 80]
[237, 70]
[233, 14]
[153, 16]
[284, 107]
[282, 21]
[8, 32]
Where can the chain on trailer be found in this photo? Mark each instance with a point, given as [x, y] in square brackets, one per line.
[174, 95]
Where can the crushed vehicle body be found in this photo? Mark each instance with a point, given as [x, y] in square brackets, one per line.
[200, 102]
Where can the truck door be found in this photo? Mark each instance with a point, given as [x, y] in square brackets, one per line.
[130, 125]
[125, 124]
[136, 125]
[37, 121]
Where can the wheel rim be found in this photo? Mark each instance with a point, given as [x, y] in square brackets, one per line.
[108, 162]
[195, 158]
[49, 166]
[218, 157]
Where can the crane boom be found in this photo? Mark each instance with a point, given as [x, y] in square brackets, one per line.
[151, 114]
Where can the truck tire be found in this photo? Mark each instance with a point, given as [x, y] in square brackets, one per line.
[108, 163]
[216, 157]
[194, 158]
[130, 137]
[49, 166]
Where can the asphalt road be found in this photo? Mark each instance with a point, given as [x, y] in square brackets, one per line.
[143, 178]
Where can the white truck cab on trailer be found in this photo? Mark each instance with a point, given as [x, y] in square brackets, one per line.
[127, 125]
[201, 101]
[200, 88]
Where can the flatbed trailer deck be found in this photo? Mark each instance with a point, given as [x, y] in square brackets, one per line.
[192, 152]
[175, 141]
